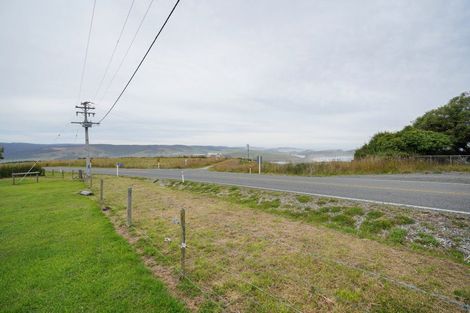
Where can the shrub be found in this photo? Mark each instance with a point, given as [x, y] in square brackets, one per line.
[7, 169]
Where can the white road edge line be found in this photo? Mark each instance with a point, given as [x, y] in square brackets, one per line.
[319, 195]
[339, 197]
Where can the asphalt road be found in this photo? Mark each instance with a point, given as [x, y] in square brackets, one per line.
[448, 192]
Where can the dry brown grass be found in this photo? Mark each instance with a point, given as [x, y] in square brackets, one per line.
[362, 166]
[232, 248]
[143, 162]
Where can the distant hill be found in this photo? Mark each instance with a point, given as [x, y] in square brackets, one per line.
[30, 151]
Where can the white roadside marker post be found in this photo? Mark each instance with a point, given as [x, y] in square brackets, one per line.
[260, 160]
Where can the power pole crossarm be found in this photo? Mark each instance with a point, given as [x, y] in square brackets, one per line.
[85, 110]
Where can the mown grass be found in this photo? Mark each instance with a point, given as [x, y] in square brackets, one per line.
[361, 166]
[140, 162]
[58, 253]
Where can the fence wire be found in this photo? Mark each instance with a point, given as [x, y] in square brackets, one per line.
[171, 218]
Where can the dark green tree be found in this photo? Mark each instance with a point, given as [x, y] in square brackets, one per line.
[444, 130]
[452, 119]
[417, 141]
[1, 152]
[409, 141]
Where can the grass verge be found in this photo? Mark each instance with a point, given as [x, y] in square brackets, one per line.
[244, 258]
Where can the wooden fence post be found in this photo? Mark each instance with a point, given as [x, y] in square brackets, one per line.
[52, 172]
[101, 192]
[183, 243]
[13, 176]
[37, 178]
[63, 174]
[129, 206]
[73, 173]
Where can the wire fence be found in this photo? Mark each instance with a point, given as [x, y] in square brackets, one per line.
[444, 159]
[167, 235]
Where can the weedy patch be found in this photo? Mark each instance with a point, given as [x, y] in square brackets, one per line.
[427, 240]
[365, 220]
[373, 214]
[463, 294]
[397, 235]
[303, 198]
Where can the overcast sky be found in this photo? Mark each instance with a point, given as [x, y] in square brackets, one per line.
[309, 74]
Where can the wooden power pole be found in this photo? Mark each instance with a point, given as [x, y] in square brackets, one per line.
[85, 109]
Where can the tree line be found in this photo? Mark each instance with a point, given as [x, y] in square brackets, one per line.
[445, 130]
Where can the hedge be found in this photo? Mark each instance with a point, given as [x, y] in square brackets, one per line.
[8, 168]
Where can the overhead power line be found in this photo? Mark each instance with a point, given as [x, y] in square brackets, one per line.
[127, 52]
[114, 50]
[86, 52]
[141, 61]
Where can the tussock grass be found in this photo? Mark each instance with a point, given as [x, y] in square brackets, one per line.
[369, 221]
[249, 253]
[140, 162]
[360, 166]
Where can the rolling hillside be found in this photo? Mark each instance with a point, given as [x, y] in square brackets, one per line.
[30, 151]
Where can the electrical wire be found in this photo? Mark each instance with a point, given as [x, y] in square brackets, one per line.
[126, 53]
[114, 50]
[86, 52]
[141, 61]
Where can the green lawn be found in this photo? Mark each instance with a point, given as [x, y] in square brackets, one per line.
[58, 253]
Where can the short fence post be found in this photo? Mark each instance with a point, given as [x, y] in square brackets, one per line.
[101, 192]
[183, 243]
[250, 170]
[13, 176]
[182, 176]
[37, 178]
[63, 175]
[73, 173]
[129, 206]
[260, 160]
[52, 172]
